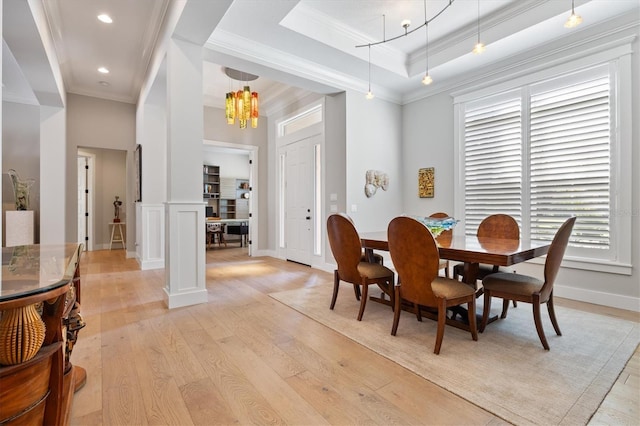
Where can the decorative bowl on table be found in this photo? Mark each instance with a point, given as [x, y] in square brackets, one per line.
[437, 225]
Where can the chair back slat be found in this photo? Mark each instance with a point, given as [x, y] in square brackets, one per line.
[415, 257]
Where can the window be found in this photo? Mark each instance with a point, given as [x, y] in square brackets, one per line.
[543, 152]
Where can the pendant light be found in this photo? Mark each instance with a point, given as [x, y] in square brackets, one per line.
[369, 95]
[573, 20]
[479, 47]
[426, 80]
[242, 104]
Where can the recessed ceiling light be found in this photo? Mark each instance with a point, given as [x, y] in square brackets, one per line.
[105, 18]
[103, 83]
[103, 70]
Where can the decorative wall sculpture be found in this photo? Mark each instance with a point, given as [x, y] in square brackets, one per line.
[375, 179]
[426, 184]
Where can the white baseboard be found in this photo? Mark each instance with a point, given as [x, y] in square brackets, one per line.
[150, 264]
[268, 253]
[598, 297]
[187, 298]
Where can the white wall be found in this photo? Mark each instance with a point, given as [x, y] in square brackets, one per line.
[153, 141]
[231, 165]
[374, 141]
[428, 142]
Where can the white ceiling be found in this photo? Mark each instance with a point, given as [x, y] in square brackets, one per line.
[306, 45]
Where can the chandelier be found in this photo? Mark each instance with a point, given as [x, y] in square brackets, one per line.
[242, 104]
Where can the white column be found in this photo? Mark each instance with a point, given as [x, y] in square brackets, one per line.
[53, 174]
[184, 210]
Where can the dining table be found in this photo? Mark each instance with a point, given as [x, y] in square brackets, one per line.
[471, 250]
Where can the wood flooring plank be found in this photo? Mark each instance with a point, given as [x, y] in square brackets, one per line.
[122, 404]
[431, 404]
[246, 403]
[328, 401]
[162, 398]
[349, 384]
[164, 337]
[290, 406]
[206, 405]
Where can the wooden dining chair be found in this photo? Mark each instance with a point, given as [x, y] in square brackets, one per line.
[444, 263]
[415, 257]
[347, 251]
[494, 226]
[523, 288]
[215, 231]
[375, 257]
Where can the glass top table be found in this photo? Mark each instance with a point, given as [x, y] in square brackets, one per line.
[35, 269]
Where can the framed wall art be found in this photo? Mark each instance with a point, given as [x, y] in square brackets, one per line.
[426, 184]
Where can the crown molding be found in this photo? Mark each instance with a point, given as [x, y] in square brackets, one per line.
[104, 95]
[249, 50]
[324, 29]
[551, 54]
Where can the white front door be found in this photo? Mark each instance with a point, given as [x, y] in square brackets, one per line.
[299, 199]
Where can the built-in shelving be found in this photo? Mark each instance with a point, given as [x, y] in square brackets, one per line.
[211, 181]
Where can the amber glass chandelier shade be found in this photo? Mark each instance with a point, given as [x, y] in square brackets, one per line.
[254, 109]
[230, 107]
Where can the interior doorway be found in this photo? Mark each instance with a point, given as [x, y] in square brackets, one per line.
[101, 176]
[247, 155]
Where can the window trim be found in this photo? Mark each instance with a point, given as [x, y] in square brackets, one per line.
[619, 60]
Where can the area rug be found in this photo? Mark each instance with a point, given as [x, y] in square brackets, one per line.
[506, 372]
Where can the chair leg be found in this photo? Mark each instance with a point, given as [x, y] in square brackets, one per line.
[363, 301]
[538, 321]
[392, 293]
[486, 311]
[515, 304]
[471, 307]
[356, 290]
[505, 308]
[336, 287]
[552, 315]
[442, 319]
[418, 311]
[396, 311]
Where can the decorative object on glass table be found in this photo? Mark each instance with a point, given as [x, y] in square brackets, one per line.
[437, 225]
[426, 184]
[21, 188]
[375, 179]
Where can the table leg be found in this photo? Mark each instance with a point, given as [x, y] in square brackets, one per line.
[368, 252]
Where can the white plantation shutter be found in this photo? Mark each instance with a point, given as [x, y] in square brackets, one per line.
[570, 162]
[493, 161]
[542, 153]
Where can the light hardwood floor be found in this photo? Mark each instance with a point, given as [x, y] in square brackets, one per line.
[243, 358]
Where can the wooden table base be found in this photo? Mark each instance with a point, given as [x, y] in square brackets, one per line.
[79, 378]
